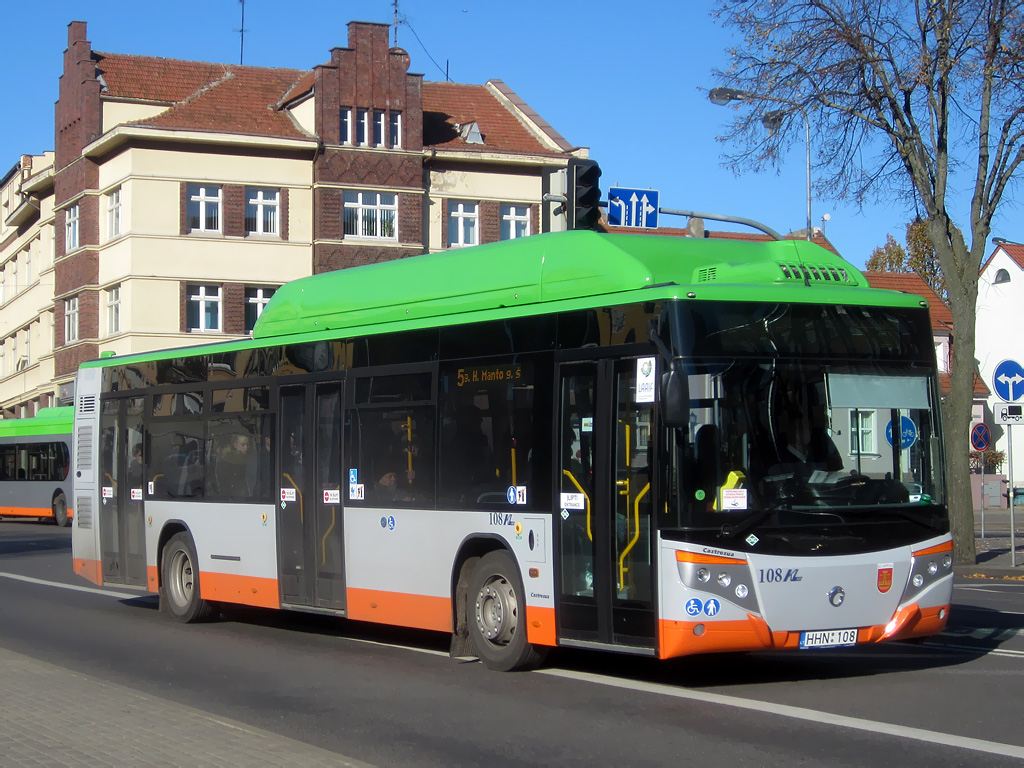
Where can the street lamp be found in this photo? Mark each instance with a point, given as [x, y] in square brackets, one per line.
[771, 121]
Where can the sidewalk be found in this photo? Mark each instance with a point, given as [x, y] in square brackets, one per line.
[57, 717]
[993, 551]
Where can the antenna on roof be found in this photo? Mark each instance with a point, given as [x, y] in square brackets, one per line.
[395, 4]
[241, 33]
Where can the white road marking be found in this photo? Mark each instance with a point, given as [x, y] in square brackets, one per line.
[798, 713]
[75, 587]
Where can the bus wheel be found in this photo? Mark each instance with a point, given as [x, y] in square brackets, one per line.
[179, 592]
[497, 615]
[60, 510]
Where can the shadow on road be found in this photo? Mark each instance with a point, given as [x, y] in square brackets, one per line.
[15, 543]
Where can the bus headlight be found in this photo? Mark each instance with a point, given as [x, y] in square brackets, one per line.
[918, 580]
[933, 568]
[947, 561]
[724, 579]
[741, 591]
[703, 575]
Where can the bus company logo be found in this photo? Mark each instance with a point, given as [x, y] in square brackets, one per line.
[719, 552]
[884, 577]
[646, 366]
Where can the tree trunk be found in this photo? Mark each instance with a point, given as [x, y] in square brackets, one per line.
[957, 429]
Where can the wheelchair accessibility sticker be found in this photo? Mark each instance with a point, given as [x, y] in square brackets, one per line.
[694, 607]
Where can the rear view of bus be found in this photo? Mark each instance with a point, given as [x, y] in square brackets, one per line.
[35, 463]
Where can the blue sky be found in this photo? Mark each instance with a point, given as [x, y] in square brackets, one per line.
[623, 80]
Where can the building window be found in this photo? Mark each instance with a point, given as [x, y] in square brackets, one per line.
[28, 267]
[395, 134]
[1002, 276]
[261, 206]
[256, 300]
[28, 345]
[203, 208]
[203, 310]
[15, 287]
[515, 221]
[862, 432]
[370, 214]
[114, 310]
[362, 127]
[114, 213]
[462, 223]
[70, 320]
[378, 127]
[346, 125]
[71, 229]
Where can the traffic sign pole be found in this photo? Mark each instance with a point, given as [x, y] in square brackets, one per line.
[1013, 527]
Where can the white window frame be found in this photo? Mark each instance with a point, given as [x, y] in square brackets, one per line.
[200, 194]
[395, 129]
[28, 345]
[114, 213]
[205, 293]
[462, 213]
[345, 125]
[510, 217]
[70, 320]
[14, 277]
[113, 299]
[71, 218]
[370, 210]
[863, 421]
[28, 266]
[379, 127]
[258, 299]
[363, 127]
[263, 199]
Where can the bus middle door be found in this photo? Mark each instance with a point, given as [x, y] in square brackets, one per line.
[121, 516]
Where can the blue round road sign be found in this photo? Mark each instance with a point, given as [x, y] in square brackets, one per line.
[908, 432]
[1008, 381]
[981, 437]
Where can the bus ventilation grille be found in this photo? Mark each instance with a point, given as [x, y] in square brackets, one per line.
[87, 404]
[707, 274]
[83, 512]
[817, 274]
[83, 452]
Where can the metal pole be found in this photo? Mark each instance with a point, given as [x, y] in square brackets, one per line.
[1013, 527]
[807, 125]
[983, 494]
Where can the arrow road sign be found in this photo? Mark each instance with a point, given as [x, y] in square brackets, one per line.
[981, 437]
[1008, 381]
[632, 207]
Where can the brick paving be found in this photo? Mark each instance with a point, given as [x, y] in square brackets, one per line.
[51, 716]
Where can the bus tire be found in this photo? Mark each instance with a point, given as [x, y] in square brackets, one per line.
[179, 588]
[60, 510]
[497, 615]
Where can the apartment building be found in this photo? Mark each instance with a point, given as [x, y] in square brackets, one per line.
[181, 194]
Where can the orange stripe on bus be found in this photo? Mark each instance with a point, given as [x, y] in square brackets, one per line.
[693, 557]
[244, 590]
[91, 570]
[152, 578]
[26, 512]
[400, 609]
[946, 546]
[540, 625]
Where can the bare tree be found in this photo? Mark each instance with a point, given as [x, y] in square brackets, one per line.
[921, 101]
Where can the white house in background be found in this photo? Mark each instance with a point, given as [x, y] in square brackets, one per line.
[999, 337]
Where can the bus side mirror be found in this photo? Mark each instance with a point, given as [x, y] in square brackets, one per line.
[675, 398]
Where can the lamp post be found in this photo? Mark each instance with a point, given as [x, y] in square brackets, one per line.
[772, 121]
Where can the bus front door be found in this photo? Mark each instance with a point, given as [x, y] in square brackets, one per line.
[605, 507]
[121, 517]
[309, 513]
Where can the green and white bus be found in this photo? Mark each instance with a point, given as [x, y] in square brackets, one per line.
[653, 445]
[35, 463]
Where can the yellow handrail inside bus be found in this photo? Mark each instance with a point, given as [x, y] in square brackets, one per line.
[514, 465]
[408, 449]
[586, 499]
[323, 541]
[636, 535]
[297, 493]
[113, 482]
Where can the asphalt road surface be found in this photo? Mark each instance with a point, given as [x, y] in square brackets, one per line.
[395, 698]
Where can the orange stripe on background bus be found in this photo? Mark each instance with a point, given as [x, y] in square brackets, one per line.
[540, 625]
[946, 546]
[26, 512]
[92, 570]
[244, 590]
[152, 578]
[693, 557]
[400, 609]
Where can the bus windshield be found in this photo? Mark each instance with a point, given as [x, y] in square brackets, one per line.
[806, 456]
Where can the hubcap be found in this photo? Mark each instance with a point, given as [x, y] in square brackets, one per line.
[181, 582]
[497, 612]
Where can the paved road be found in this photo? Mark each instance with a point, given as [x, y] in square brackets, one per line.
[88, 676]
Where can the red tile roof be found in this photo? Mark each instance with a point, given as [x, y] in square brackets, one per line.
[911, 282]
[1014, 250]
[448, 104]
[979, 385]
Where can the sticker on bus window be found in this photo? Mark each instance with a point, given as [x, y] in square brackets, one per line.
[573, 501]
[108, 492]
[516, 494]
[332, 496]
[645, 371]
[136, 494]
[355, 491]
[287, 494]
[152, 487]
[587, 424]
[734, 498]
[353, 476]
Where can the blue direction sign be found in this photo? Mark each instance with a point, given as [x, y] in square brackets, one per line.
[981, 437]
[1008, 381]
[632, 207]
[908, 432]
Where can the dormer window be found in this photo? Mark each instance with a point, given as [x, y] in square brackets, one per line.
[470, 133]
[1002, 276]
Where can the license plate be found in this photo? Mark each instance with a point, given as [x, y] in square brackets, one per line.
[828, 638]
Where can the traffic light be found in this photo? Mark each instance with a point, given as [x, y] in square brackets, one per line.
[584, 194]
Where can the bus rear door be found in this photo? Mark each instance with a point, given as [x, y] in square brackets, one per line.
[121, 515]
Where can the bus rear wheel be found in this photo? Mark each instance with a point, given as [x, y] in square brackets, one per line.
[497, 615]
[179, 590]
[60, 510]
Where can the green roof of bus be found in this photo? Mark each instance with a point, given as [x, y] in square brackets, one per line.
[47, 421]
[559, 271]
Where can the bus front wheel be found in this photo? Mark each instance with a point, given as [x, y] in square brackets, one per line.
[497, 615]
[60, 510]
[179, 592]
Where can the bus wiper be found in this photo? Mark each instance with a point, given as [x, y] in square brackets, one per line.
[732, 530]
